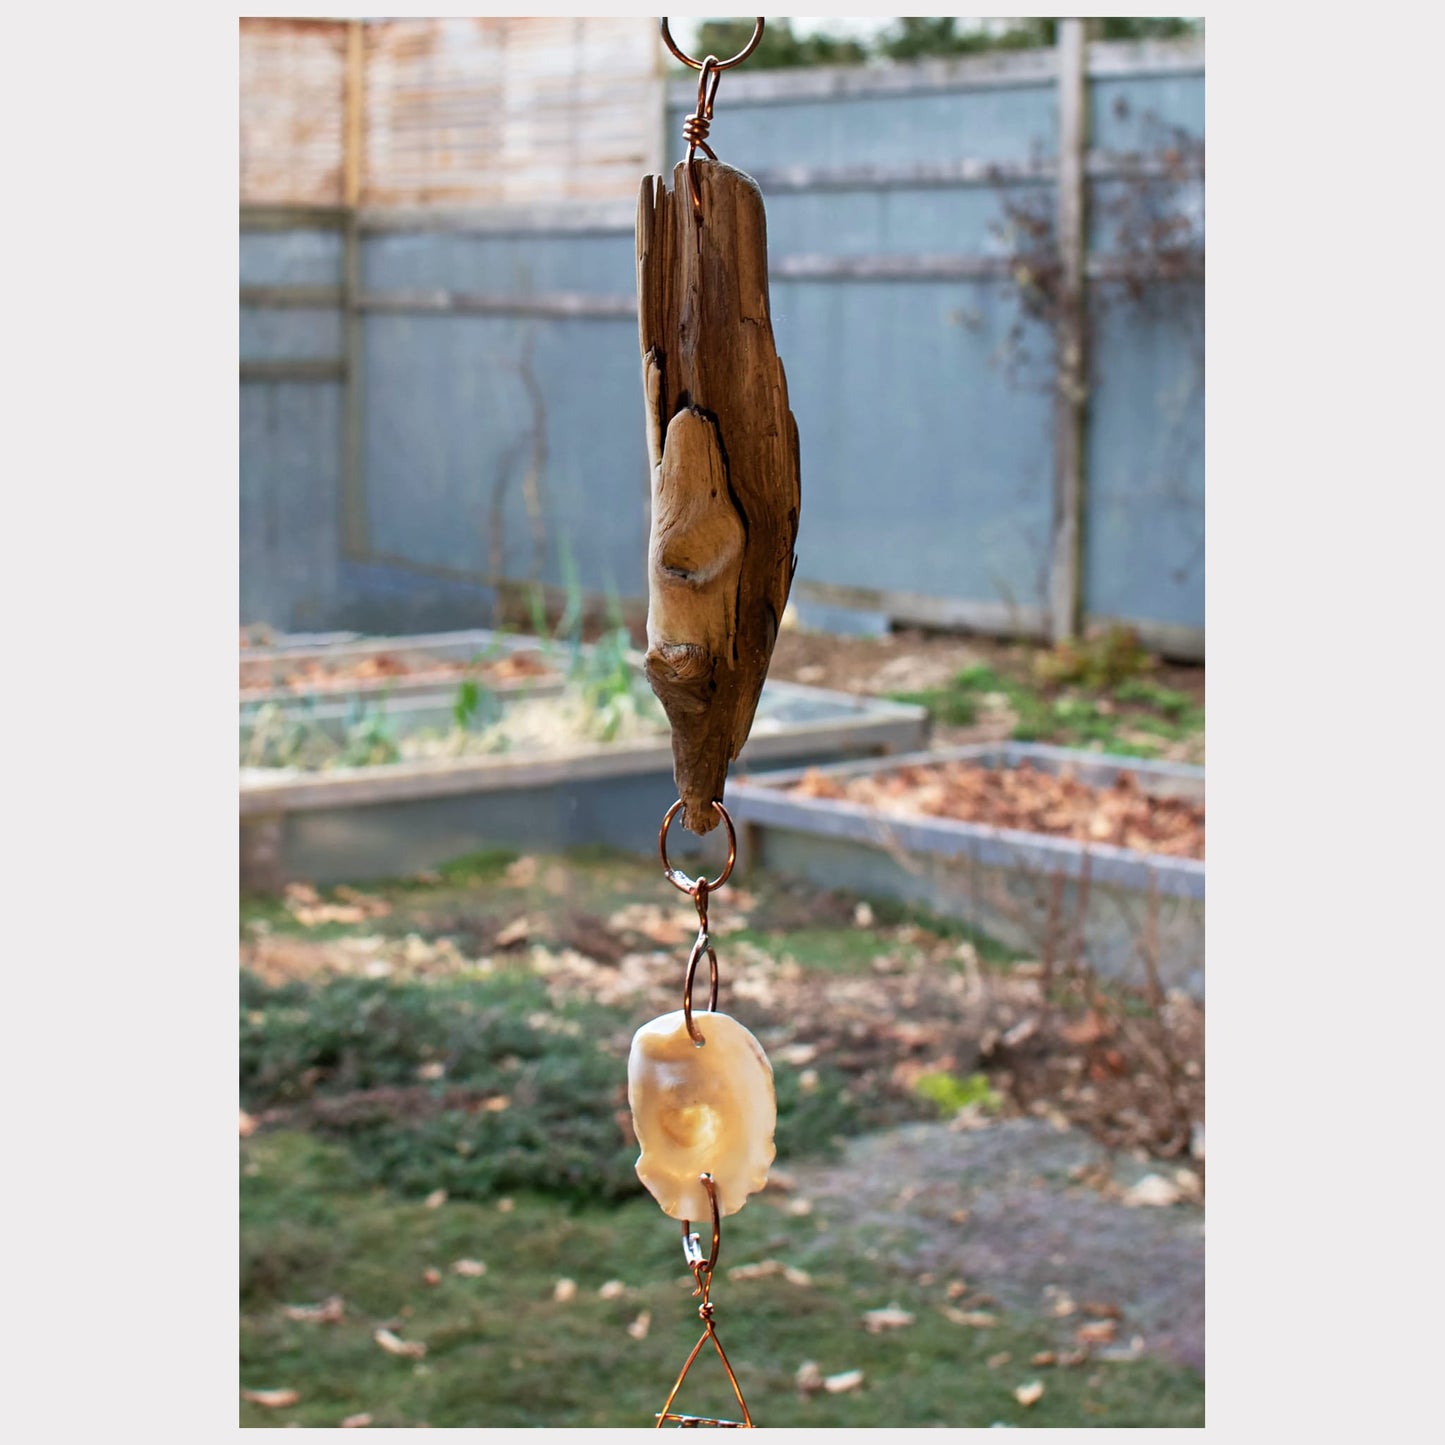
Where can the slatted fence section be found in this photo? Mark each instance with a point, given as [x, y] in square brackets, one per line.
[490, 415]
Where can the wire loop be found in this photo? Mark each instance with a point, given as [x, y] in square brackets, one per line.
[680, 880]
[737, 59]
[703, 944]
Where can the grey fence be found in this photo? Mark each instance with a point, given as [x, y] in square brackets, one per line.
[440, 409]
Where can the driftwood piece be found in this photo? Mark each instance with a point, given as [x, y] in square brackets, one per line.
[725, 483]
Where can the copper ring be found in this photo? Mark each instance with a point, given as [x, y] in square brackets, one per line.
[737, 59]
[680, 880]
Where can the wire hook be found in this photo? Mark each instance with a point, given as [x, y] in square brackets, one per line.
[695, 128]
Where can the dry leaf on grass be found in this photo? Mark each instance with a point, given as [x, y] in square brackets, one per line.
[799, 1277]
[846, 1380]
[809, 1377]
[666, 927]
[564, 1290]
[356, 1422]
[331, 1310]
[522, 873]
[431, 1276]
[998, 1361]
[469, 1268]
[519, 930]
[248, 1125]
[1030, 1394]
[974, 1319]
[435, 1199]
[1097, 1332]
[613, 1289]
[394, 1345]
[891, 1317]
[1153, 1191]
[639, 1327]
[957, 1289]
[759, 1270]
[272, 1399]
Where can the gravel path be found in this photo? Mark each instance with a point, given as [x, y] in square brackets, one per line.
[1034, 1235]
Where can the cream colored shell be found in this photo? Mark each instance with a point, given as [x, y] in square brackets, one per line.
[701, 1110]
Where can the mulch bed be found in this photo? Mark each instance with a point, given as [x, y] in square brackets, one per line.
[1027, 799]
[317, 674]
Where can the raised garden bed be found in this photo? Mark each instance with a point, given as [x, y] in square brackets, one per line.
[1125, 911]
[351, 823]
[345, 666]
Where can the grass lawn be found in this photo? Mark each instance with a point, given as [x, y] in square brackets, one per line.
[424, 1041]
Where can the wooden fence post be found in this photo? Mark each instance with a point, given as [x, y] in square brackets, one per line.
[1071, 394]
[354, 542]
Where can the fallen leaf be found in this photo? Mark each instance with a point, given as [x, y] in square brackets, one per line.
[1101, 1310]
[328, 1312]
[974, 1319]
[1097, 1332]
[393, 1345]
[469, 1268]
[809, 1377]
[272, 1399]
[248, 1125]
[355, 1422]
[956, 1289]
[998, 1361]
[1021, 1032]
[522, 873]
[959, 1216]
[759, 1270]
[863, 916]
[799, 1208]
[1063, 1306]
[517, 931]
[506, 1206]
[799, 1277]
[1029, 1394]
[564, 1290]
[639, 1327]
[1085, 1031]
[846, 1380]
[613, 1289]
[431, 1276]
[497, 1104]
[436, 1199]
[888, 1318]
[1045, 1357]
[1153, 1191]
[430, 1072]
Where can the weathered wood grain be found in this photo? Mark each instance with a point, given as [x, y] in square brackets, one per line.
[725, 479]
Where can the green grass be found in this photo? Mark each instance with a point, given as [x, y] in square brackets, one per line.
[480, 1084]
[1084, 707]
[501, 1351]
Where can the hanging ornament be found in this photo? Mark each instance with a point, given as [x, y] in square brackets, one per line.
[725, 494]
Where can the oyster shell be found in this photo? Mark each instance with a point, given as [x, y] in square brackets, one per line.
[701, 1109]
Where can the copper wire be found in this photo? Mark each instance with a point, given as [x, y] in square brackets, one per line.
[702, 1271]
[695, 128]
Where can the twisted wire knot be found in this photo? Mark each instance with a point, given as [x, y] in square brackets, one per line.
[695, 130]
